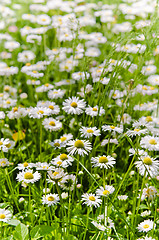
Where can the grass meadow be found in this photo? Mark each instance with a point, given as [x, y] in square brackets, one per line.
[79, 120]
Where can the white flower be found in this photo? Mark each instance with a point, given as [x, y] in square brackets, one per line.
[43, 19]
[107, 190]
[99, 226]
[25, 56]
[5, 215]
[148, 70]
[122, 197]
[149, 192]
[62, 160]
[56, 175]
[74, 105]
[136, 132]
[146, 226]
[103, 161]
[91, 200]
[112, 128]
[52, 124]
[4, 162]
[4, 143]
[88, 132]
[39, 112]
[79, 146]
[54, 94]
[50, 199]
[149, 142]
[145, 213]
[95, 111]
[28, 176]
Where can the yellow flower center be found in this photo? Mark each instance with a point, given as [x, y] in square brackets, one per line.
[27, 64]
[40, 111]
[95, 109]
[8, 145]
[63, 156]
[43, 19]
[79, 144]
[112, 127]
[74, 104]
[55, 173]
[59, 162]
[148, 119]
[1, 94]
[89, 130]
[147, 161]
[15, 109]
[136, 130]
[25, 164]
[8, 102]
[3, 163]
[34, 71]
[6, 88]
[51, 107]
[45, 167]
[52, 123]
[103, 159]
[50, 198]
[152, 88]
[28, 175]
[57, 144]
[106, 192]
[63, 139]
[146, 226]
[2, 216]
[152, 142]
[1, 143]
[46, 84]
[92, 198]
[144, 88]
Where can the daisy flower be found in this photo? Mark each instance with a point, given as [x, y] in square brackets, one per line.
[122, 197]
[68, 182]
[5, 215]
[65, 138]
[54, 94]
[112, 129]
[4, 162]
[149, 192]
[39, 112]
[88, 132]
[146, 226]
[150, 142]
[3, 144]
[28, 176]
[95, 111]
[52, 124]
[79, 146]
[74, 105]
[56, 144]
[135, 132]
[62, 160]
[91, 200]
[146, 238]
[107, 190]
[56, 175]
[50, 199]
[99, 226]
[148, 165]
[103, 161]
[25, 165]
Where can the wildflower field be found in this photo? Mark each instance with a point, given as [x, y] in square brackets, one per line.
[79, 120]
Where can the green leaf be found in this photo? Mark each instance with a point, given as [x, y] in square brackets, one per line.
[6, 132]
[13, 222]
[41, 231]
[8, 238]
[21, 232]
